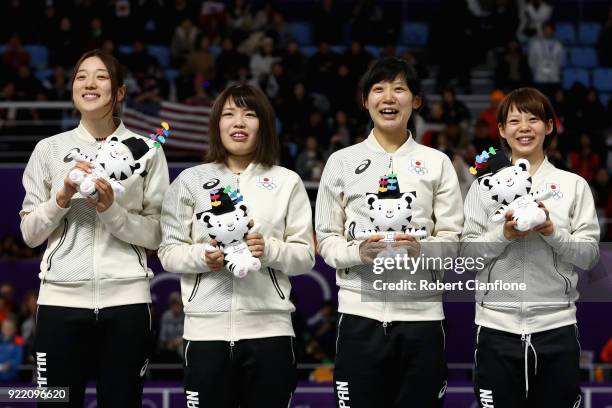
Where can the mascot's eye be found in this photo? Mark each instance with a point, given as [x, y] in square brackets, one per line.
[125, 158]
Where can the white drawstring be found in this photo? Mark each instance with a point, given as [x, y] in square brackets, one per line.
[526, 338]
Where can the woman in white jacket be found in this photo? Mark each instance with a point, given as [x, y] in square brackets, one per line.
[238, 333]
[94, 316]
[527, 349]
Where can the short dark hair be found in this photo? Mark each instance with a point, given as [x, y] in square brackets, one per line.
[116, 72]
[387, 69]
[267, 148]
[532, 101]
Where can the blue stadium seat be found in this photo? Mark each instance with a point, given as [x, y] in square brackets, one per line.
[583, 57]
[374, 50]
[309, 50]
[125, 49]
[171, 74]
[573, 75]
[338, 49]
[300, 32]
[162, 53]
[39, 55]
[215, 50]
[43, 74]
[602, 79]
[588, 33]
[414, 34]
[566, 33]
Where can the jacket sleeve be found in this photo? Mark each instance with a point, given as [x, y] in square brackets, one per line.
[480, 237]
[294, 254]
[330, 217]
[40, 214]
[578, 245]
[141, 229]
[447, 215]
[178, 252]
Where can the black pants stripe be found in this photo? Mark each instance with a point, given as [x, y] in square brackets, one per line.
[400, 365]
[252, 373]
[72, 345]
[499, 377]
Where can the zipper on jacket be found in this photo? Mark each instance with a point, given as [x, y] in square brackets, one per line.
[384, 326]
[59, 244]
[390, 162]
[96, 313]
[338, 334]
[195, 287]
[135, 248]
[231, 349]
[275, 283]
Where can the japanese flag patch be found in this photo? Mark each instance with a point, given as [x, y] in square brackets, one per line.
[265, 182]
[556, 190]
[417, 166]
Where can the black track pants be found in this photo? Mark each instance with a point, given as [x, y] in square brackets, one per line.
[73, 345]
[249, 373]
[402, 364]
[540, 370]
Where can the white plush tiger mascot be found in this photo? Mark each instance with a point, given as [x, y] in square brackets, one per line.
[390, 211]
[115, 160]
[510, 186]
[227, 222]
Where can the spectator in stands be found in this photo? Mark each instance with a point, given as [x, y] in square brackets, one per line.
[293, 61]
[240, 20]
[139, 61]
[489, 115]
[555, 156]
[604, 42]
[15, 56]
[584, 161]
[317, 126]
[65, 42]
[367, 23]
[171, 330]
[594, 116]
[601, 189]
[212, 19]
[310, 162]
[57, 86]
[343, 95]
[229, 62]
[184, 83]
[326, 25]
[28, 86]
[28, 315]
[356, 59]
[323, 328]
[482, 137]
[11, 351]
[7, 291]
[277, 85]
[95, 35]
[322, 67]
[263, 18]
[341, 133]
[261, 62]
[183, 41]
[455, 111]
[503, 22]
[546, 56]
[534, 14]
[512, 68]
[202, 61]
[418, 65]
[294, 114]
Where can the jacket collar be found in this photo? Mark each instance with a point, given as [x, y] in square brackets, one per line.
[408, 146]
[84, 134]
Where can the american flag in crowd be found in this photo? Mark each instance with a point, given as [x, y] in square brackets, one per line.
[188, 125]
